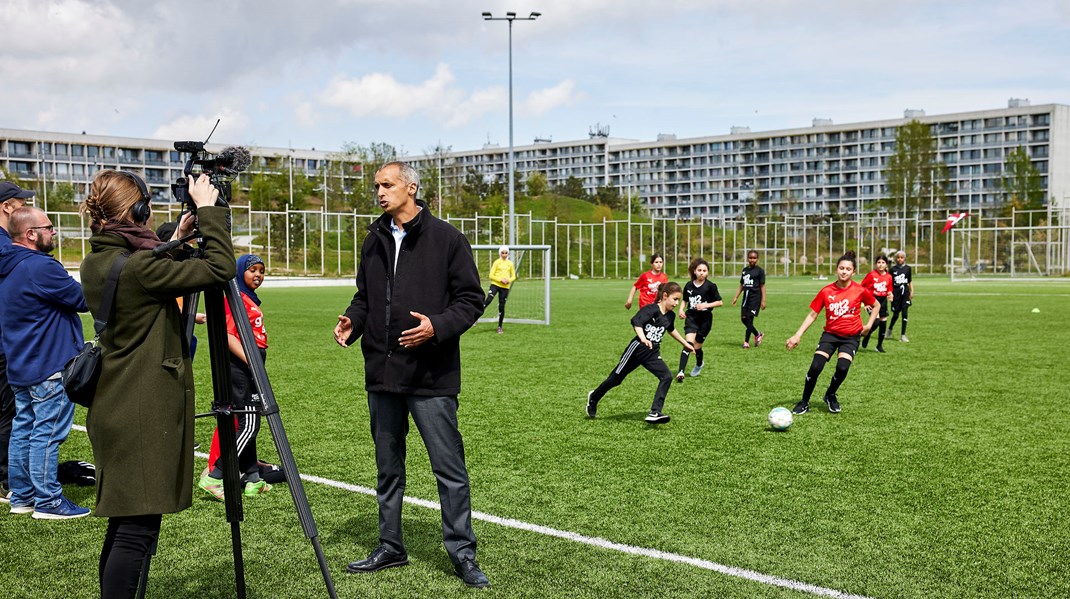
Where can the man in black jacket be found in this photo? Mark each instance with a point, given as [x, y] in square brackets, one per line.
[418, 290]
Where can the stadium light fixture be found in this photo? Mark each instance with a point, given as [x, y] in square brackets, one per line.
[510, 17]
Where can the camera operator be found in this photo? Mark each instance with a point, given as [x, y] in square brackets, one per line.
[141, 419]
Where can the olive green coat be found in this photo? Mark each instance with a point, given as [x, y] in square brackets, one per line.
[141, 419]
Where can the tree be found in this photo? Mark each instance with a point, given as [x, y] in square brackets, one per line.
[371, 158]
[432, 176]
[609, 196]
[1021, 182]
[914, 174]
[573, 188]
[536, 184]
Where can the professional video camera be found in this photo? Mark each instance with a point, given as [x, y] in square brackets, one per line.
[220, 168]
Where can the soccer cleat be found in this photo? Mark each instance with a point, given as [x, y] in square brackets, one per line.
[499, 330]
[697, 370]
[212, 486]
[865, 341]
[746, 345]
[680, 376]
[888, 334]
[657, 418]
[592, 405]
[64, 510]
[880, 350]
[257, 488]
[758, 339]
[903, 339]
[834, 406]
[801, 408]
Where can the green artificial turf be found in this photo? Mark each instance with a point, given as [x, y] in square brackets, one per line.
[945, 475]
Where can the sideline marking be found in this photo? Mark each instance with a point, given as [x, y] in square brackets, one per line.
[733, 571]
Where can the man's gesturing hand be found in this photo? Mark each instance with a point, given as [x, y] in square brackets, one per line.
[419, 335]
[343, 330]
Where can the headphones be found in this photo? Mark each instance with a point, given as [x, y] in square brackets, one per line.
[141, 211]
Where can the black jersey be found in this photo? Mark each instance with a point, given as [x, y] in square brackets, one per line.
[704, 294]
[901, 280]
[753, 278]
[655, 325]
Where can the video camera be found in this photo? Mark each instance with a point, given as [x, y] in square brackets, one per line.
[220, 168]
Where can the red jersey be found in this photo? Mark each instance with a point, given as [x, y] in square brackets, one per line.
[879, 285]
[648, 284]
[843, 307]
[256, 318]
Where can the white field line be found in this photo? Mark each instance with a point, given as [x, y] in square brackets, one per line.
[595, 541]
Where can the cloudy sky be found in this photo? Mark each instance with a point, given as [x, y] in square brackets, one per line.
[416, 73]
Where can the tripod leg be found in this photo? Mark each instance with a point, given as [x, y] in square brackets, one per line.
[144, 582]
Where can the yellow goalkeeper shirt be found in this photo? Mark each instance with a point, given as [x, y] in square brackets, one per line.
[502, 269]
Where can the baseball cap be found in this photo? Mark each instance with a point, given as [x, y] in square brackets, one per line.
[10, 191]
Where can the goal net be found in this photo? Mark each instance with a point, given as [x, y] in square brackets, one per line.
[1019, 253]
[529, 295]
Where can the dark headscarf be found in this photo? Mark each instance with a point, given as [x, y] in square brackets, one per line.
[245, 261]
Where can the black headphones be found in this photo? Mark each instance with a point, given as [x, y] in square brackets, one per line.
[141, 211]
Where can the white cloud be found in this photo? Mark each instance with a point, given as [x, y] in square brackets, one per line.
[544, 100]
[232, 126]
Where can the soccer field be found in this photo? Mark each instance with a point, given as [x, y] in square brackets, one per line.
[944, 476]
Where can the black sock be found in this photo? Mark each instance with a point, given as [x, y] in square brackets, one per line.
[698, 357]
[880, 332]
[816, 366]
[842, 366]
[684, 355]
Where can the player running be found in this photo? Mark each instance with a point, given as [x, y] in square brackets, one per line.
[842, 301]
[502, 275]
[647, 284]
[651, 323]
[902, 294]
[752, 286]
[701, 297]
[879, 283]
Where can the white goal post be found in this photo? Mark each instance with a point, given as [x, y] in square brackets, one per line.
[529, 295]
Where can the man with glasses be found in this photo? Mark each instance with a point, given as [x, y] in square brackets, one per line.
[12, 197]
[41, 332]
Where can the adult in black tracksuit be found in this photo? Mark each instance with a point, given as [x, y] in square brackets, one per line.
[902, 294]
[417, 291]
[651, 323]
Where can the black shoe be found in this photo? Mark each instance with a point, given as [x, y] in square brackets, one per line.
[656, 418]
[592, 405]
[834, 406]
[865, 341]
[880, 350]
[468, 571]
[380, 559]
[801, 408]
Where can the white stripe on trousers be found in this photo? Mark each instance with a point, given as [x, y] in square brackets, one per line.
[627, 355]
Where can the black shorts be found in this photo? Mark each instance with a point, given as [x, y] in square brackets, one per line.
[752, 304]
[900, 302]
[883, 301]
[698, 325]
[835, 344]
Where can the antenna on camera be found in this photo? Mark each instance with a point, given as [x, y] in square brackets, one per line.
[212, 132]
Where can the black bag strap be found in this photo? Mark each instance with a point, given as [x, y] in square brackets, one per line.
[108, 298]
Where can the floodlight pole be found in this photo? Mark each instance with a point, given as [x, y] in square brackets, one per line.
[510, 17]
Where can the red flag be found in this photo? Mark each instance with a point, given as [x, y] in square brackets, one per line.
[953, 219]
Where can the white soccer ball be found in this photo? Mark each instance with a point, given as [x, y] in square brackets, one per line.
[780, 418]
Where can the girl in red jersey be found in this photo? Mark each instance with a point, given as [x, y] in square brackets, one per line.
[879, 283]
[842, 301]
[648, 283]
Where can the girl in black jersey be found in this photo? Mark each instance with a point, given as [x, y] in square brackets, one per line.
[651, 323]
[700, 296]
[752, 286]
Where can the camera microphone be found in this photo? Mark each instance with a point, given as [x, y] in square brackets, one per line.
[234, 159]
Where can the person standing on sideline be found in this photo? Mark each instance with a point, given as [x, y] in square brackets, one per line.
[879, 283]
[842, 301]
[902, 294]
[752, 286]
[42, 331]
[417, 291]
[701, 296]
[651, 323]
[502, 275]
[647, 284]
[141, 419]
[12, 197]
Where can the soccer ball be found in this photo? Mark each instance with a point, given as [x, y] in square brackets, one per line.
[780, 418]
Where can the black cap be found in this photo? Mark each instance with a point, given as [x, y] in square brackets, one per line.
[10, 191]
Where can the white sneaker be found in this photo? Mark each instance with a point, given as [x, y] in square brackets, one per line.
[680, 376]
[656, 418]
[592, 406]
[903, 338]
[697, 370]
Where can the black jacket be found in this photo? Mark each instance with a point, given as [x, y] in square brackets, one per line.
[435, 276]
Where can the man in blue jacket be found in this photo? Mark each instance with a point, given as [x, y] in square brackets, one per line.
[418, 290]
[42, 331]
[12, 197]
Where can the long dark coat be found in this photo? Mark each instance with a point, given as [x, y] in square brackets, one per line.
[141, 420]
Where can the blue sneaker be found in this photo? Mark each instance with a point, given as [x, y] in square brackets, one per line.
[65, 510]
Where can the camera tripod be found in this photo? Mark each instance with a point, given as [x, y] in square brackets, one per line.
[219, 353]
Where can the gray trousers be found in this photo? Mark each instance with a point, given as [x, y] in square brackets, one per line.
[436, 419]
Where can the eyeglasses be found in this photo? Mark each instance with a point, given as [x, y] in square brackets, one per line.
[49, 228]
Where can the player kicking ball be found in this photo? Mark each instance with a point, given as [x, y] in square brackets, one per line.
[651, 323]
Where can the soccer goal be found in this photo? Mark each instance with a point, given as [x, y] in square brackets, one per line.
[529, 295]
[1012, 253]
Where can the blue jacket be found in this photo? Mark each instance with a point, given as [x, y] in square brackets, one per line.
[5, 245]
[40, 322]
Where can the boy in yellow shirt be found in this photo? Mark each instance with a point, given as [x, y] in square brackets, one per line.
[502, 275]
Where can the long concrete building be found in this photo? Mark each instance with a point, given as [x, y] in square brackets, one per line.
[804, 170]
